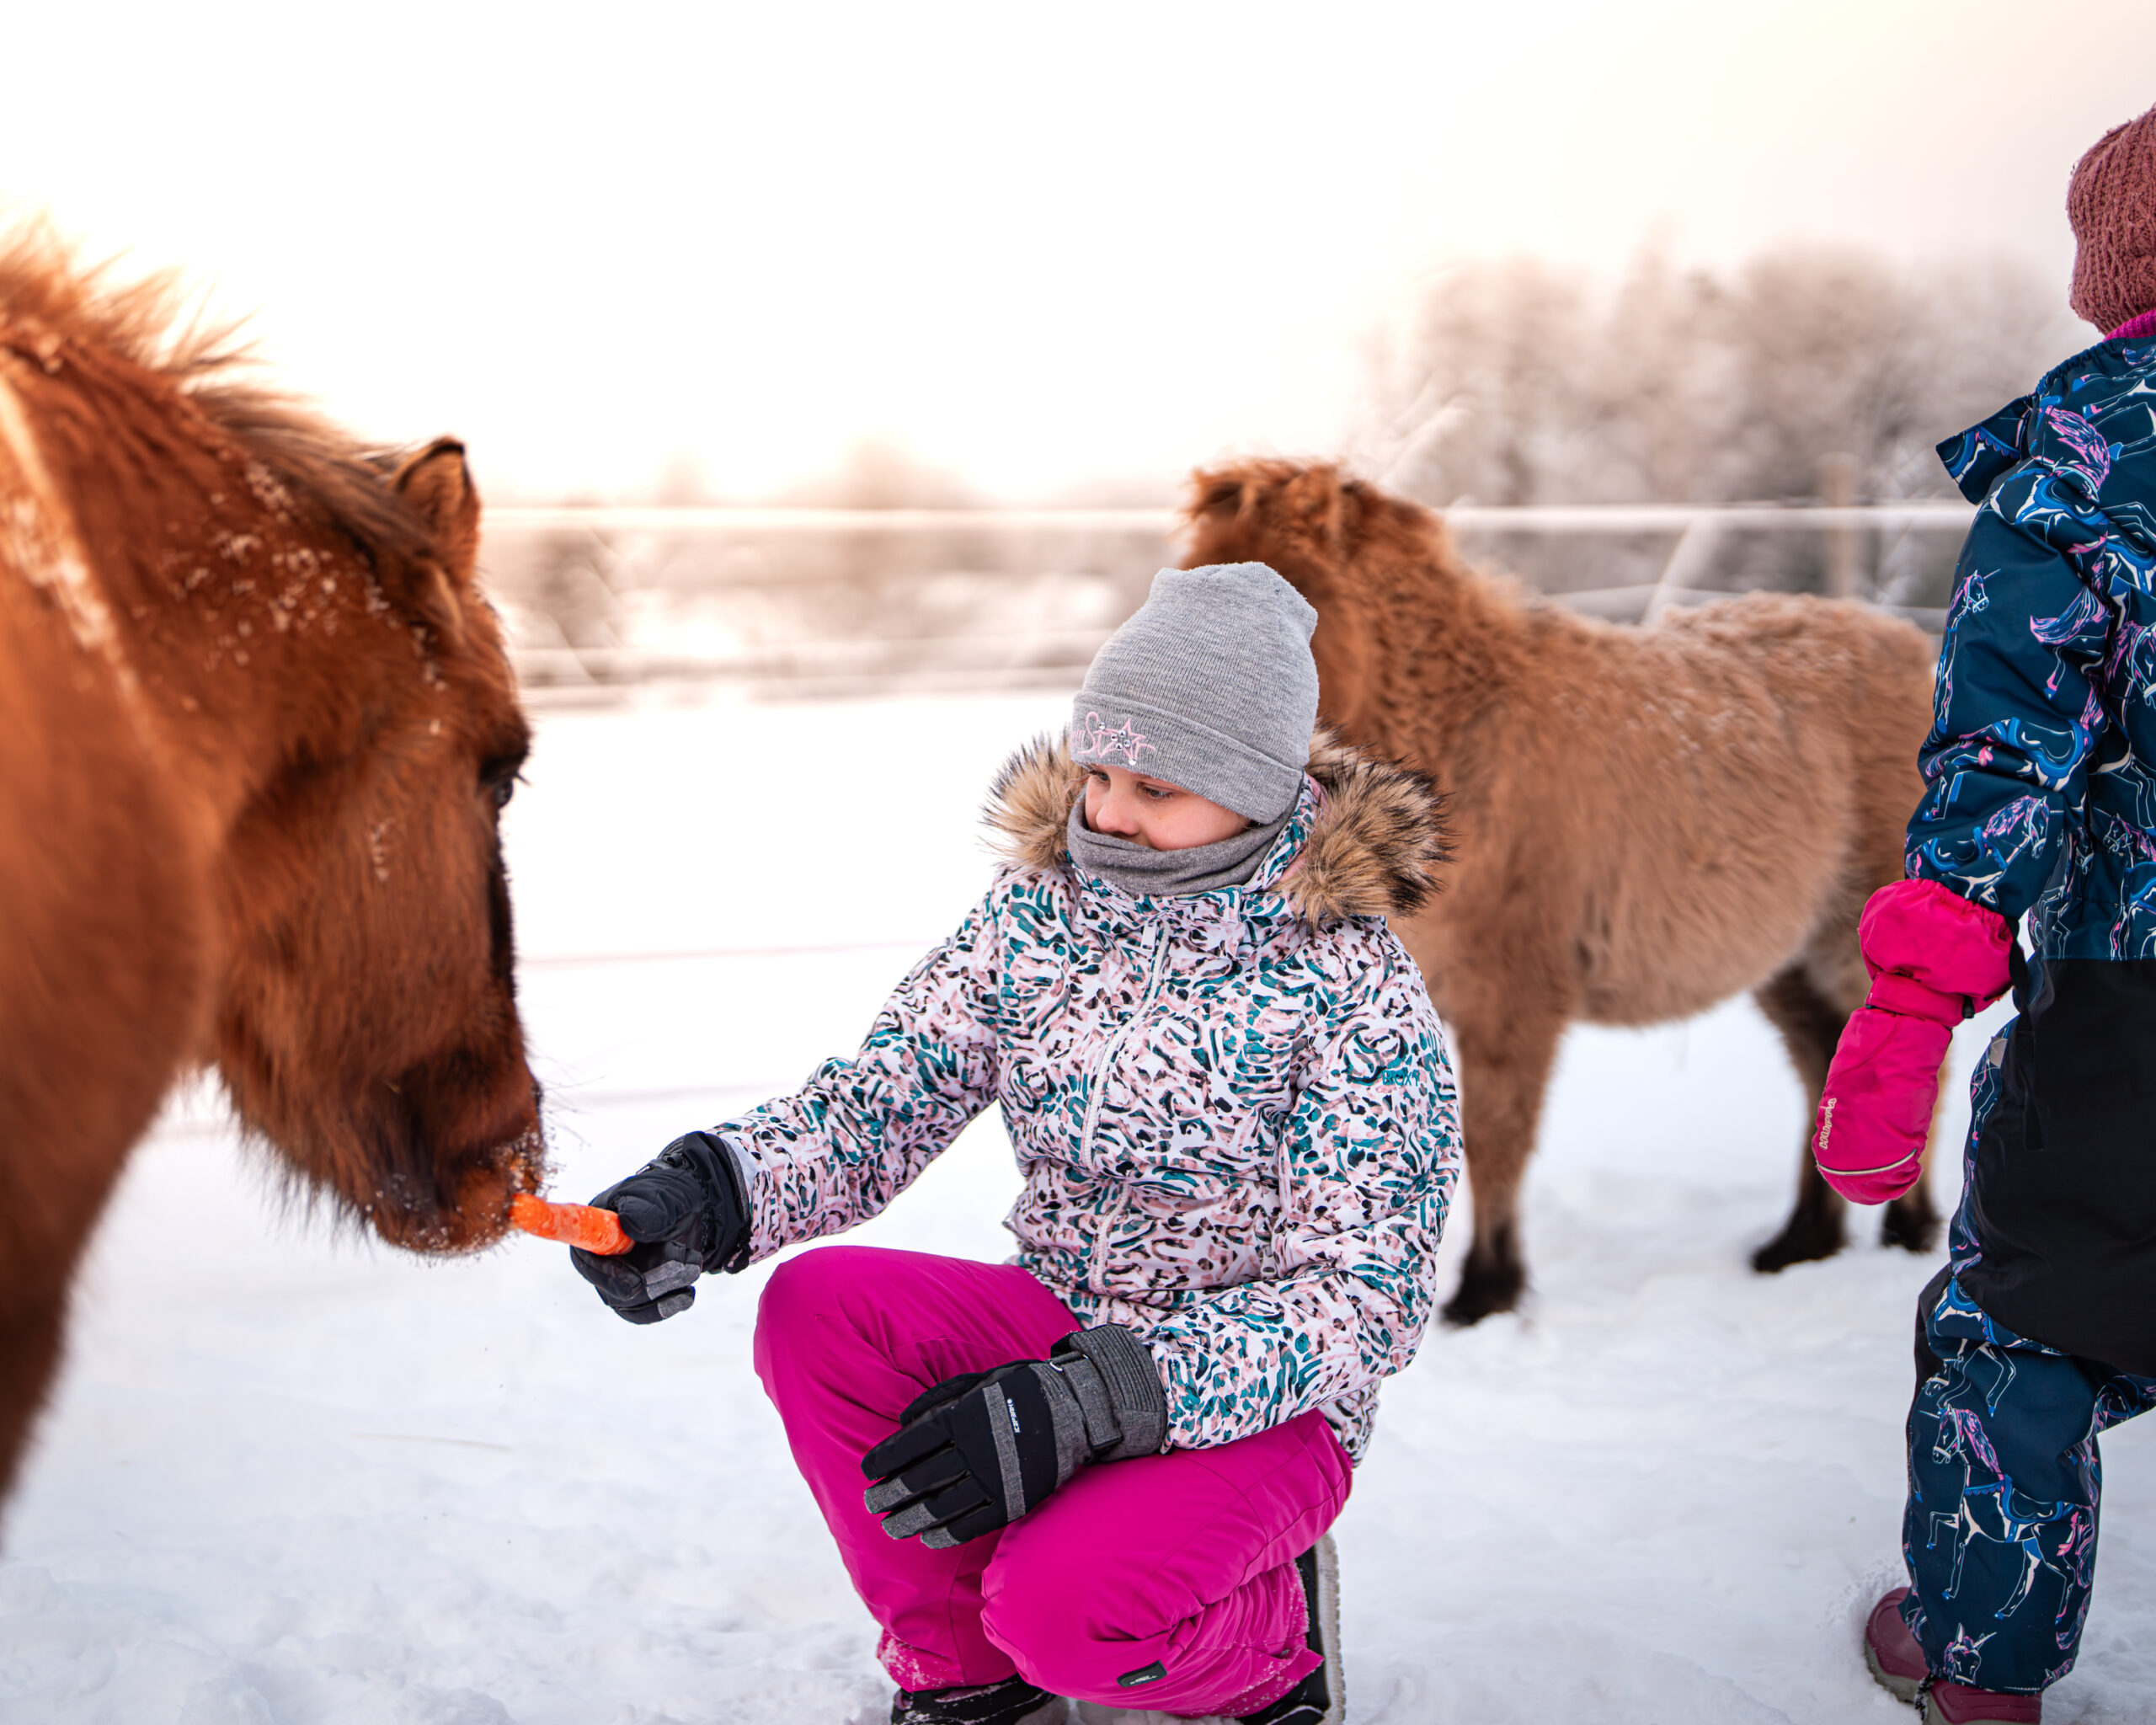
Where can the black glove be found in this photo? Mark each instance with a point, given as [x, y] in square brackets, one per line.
[686, 1210]
[978, 1451]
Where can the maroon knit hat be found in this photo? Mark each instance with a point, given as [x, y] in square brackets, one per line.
[2111, 202]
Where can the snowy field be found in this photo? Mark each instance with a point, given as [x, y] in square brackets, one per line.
[290, 1478]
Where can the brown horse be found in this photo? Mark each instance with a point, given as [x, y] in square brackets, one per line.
[1648, 821]
[256, 725]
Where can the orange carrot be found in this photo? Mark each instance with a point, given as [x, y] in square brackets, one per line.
[572, 1224]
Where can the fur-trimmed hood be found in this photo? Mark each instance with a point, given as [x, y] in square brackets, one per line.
[1367, 838]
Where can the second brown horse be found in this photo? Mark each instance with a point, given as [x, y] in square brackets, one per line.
[1647, 821]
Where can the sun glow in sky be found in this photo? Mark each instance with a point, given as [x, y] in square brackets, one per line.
[1043, 247]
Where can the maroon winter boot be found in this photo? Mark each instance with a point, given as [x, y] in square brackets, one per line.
[1890, 1651]
[1897, 1661]
[1957, 1704]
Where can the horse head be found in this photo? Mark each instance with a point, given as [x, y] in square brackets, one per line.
[1304, 521]
[367, 1026]
[1381, 573]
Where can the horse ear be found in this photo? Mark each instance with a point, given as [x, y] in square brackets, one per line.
[437, 485]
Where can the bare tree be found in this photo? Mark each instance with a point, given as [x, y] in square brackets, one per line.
[1518, 381]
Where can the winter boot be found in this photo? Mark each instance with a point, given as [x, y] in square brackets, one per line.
[1957, 1704]
[1890, 1651]
[1317, 1700]
[1896, 1661]
[1320, 1698]
[1013, 1701]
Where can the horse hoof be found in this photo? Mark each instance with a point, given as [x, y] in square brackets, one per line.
[1911, 1231]
[1482, 1293]
[1802, 1241]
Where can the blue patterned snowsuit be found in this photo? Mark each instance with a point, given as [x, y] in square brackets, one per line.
[2041, 774]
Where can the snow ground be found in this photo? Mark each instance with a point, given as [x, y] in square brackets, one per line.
[290, 1478]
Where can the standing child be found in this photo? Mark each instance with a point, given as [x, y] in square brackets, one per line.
[1104, 1470]
[2041, 764]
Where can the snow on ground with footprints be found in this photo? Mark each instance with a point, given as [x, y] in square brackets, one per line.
[292, 1478]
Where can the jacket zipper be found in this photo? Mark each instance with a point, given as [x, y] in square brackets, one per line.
[1114, 1047]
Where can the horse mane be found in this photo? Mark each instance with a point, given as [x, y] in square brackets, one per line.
[52, 302]
[1324, 517]
[1410, 636]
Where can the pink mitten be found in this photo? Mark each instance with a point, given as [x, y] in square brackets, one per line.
[1934, 958]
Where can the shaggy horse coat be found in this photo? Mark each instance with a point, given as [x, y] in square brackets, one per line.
[1647, 820]
[256, 723]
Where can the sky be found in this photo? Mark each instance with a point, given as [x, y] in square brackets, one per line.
[1059, 251]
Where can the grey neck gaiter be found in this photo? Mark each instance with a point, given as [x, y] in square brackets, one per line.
[1146, 873]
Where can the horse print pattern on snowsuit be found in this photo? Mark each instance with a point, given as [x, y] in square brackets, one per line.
[1233, 1111]
[2040, 797]
[2000, 1530]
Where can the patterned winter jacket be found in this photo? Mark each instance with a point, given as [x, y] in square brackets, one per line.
[1233, 1111]
[2041, 762]
[2040, 774]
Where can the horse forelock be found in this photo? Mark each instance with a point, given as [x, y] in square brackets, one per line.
[53, 306]
[137, 430]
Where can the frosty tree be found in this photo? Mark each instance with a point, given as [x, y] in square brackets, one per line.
[1518, 380]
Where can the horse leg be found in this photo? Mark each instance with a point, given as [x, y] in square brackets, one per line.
[48, 1210]
[31, 1317]
[1911, 1221]
[1503, 1075]
[85, 1084]
[1811, 1024]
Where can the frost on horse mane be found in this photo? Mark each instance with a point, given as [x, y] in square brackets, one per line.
[37, 539]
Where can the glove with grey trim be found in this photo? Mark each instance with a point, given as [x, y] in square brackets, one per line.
[686, 1211]
[979, 1450]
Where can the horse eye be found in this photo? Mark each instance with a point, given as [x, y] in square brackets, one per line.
[499, 774]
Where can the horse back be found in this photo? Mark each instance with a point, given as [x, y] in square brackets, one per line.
[1751, 768]
[1665, 816]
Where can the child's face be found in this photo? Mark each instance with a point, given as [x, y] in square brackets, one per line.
[1153, 813]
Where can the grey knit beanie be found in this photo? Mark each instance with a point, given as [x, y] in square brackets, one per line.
[1209, 686]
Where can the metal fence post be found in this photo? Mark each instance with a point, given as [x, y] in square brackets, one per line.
[1688, 560]
[1838, 485]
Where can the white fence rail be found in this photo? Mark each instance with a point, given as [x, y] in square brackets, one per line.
[1702, 530]
[804, 601]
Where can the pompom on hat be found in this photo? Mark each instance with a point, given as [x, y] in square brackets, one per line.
[2111, 202]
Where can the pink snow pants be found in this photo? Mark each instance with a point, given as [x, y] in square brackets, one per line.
[1186, 1558]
